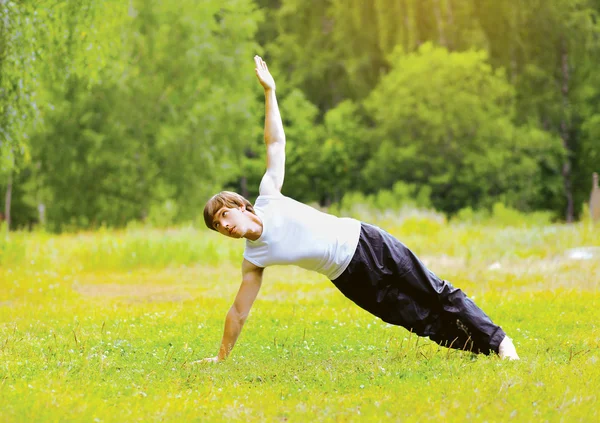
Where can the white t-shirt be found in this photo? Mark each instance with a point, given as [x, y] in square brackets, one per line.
[294, 233]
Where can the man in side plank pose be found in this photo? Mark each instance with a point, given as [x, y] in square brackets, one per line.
[369, 266]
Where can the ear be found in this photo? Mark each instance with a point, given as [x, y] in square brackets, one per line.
[243, 208]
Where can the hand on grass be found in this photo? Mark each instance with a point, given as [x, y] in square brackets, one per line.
[207, 360]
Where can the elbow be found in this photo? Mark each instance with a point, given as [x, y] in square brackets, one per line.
[237, 316]
[280, 139]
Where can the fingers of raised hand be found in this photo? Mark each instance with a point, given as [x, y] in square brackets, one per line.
[260, 63]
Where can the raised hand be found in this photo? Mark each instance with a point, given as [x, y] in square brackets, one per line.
[264, 76]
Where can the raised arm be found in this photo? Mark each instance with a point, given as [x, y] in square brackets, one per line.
[272, 181]
[239, 311]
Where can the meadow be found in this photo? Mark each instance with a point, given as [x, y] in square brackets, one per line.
[104, 326]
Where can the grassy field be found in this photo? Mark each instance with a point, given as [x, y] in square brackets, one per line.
[101, 327]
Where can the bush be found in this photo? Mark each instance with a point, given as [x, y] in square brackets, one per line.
[502, 215]
[163, 215]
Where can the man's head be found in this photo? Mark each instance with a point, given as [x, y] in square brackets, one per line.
[227, 213]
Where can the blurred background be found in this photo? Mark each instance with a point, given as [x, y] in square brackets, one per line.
[114, 112]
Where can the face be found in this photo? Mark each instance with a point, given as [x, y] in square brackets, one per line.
[232, 222]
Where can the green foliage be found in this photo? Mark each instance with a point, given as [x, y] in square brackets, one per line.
[163, 215]
[450, 127]
[402, 202]
[111, 110]
[303, 136]
[502, 215]
[105, 250]
[138, 124]
[197, 118]
[303, 51]
[17, 84]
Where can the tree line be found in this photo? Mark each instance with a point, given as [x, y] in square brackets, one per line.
[112, 112]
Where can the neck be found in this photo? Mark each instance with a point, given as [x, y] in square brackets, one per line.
[256, 228]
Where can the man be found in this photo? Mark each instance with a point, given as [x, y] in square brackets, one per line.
[367, 264]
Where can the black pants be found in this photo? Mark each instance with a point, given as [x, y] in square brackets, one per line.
[388, 280]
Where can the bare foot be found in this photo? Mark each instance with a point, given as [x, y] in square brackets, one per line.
[507, 349]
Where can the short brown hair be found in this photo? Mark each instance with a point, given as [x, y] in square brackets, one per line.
[224, 199]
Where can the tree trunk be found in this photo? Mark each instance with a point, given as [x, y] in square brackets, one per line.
[450, 24]
[437, 11]
[513, 64]
[408, 46]
[42, 214]
[7, 201]
[564, 130]
[131, 10]
[514, 44]
[244, 187]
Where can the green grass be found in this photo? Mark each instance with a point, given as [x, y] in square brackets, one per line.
[103, 326]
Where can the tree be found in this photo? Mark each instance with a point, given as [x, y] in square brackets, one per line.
[445, 120]
[17, 86]
[157, 117]
[551, 49]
